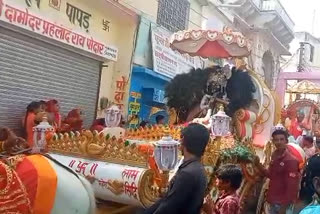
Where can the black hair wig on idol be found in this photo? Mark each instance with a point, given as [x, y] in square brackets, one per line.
[240, 89]
[186, 90]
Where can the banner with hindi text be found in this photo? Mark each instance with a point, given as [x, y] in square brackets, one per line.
[168, 62]
[23, 14]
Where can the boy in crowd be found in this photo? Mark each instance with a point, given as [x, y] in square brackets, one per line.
[229, 179]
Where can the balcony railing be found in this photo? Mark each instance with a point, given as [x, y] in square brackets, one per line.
[268, 6]
[275, 5]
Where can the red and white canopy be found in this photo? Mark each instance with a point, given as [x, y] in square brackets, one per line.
[298, 153]
[211, 43]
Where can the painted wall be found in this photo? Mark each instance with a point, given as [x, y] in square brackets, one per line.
[124, 36]
[143, 7]
[143, 50]
[195, 15]
[145, 78]
[261, 45]
[209, 17]
[115, 70]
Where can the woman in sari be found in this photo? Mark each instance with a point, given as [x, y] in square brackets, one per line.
[54, 115]
[31, 118]
[73, 122]
[98, 125]
[311, 185]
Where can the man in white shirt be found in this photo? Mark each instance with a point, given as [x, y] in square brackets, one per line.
[300, 138]
[308, 146]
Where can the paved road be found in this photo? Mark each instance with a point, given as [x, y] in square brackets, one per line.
[116, 209]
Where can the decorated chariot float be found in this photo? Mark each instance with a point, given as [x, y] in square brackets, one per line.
[133, 167]
[301, 116]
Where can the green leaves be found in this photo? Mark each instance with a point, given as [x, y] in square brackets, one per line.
[126, 143]
[239, 153]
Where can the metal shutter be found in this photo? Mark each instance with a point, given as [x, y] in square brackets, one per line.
[32, 70]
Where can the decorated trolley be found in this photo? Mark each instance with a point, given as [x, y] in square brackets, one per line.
[301, 115]
[125, 166]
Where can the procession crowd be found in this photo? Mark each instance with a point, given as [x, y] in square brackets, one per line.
[73, 121]
[293, 188]
[38, 110]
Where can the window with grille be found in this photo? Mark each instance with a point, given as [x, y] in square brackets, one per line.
[173, 14]
[311, 53]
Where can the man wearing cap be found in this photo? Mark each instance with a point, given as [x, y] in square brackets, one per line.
[284, 176]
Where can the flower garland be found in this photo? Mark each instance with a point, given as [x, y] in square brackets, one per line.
[238, 154]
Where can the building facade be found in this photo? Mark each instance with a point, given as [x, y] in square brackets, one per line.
[304, 64]
[155, 64]
[66, 50]
[305, 50]
[265, 23]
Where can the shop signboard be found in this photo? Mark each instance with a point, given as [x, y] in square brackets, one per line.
[168, 62]
[24, 16]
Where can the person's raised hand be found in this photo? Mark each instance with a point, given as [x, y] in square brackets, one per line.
[208, 205]
[256, 160]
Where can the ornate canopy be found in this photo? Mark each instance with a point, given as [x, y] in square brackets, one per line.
[211, 43]
[304, 87]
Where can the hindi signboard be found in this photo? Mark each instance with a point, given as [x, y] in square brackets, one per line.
[168, 62]
[23, 17]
